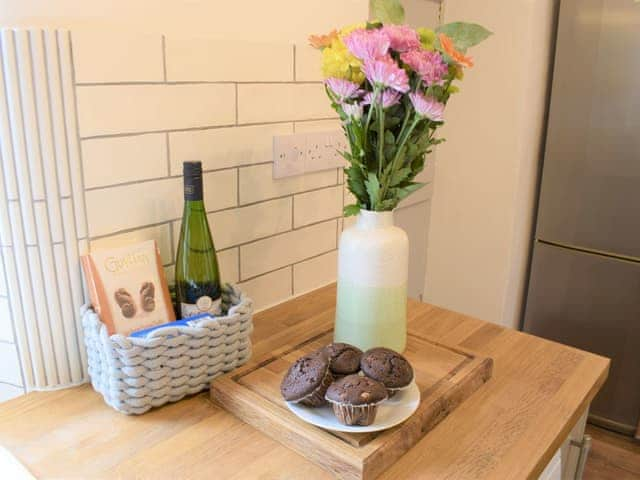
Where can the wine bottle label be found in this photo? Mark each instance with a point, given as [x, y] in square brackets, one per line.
[204, 304]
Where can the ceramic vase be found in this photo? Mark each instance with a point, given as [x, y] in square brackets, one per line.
[373, 262]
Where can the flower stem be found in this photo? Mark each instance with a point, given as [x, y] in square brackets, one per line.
[380, 137]
[372, 106]
[403, 140]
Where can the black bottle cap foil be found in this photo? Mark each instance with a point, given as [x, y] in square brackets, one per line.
[192, 173]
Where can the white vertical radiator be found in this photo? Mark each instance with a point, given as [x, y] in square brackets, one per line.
[43, 223]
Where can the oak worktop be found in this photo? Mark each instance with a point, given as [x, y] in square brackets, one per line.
[509, 428]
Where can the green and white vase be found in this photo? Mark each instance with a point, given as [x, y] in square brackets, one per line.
[373, 263]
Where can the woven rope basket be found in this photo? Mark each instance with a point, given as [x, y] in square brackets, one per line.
[136, 374]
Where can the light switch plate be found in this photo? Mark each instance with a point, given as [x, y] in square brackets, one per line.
[307, 152]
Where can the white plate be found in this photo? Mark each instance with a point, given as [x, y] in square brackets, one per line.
[390, 413]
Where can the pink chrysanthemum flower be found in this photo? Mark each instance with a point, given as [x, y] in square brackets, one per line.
[343, 89]
[389, 98]
[367, 44]
[429, 65]
[386, 72]
[427, 107]
[352, 110]
[402, 38]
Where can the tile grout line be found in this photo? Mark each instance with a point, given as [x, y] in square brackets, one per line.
[164, 58]
[197, 82]
[168, 177]
[294, 62]
[209, 212]
[168, 146]
[205, 127]
[289, 265]
[236, 102]
[237, 186]
[334, 219]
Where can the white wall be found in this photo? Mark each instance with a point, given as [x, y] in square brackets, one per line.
[262, 20]
[485, 174]
[413, 213]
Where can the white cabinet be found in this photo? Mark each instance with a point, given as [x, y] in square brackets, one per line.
[566, 463]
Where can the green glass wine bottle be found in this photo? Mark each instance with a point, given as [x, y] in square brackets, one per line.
[197, 272]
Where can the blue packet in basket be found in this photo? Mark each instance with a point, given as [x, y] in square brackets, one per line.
[178, 323]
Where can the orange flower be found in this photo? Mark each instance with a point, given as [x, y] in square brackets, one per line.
[447, 45]
[322, 41]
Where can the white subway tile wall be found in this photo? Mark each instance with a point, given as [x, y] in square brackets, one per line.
[307, 64]
[315, 272]
[269, 289]
[123, 56]
[137, 128]
[145, 104]
[273, 102]
[219, 148]
[193, 59]
[131, 108]
[257, 183]
[287, 248]
[113, 160]
[318, 205]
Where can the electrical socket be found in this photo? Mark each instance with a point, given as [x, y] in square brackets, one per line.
[307, 152]
[288, 156]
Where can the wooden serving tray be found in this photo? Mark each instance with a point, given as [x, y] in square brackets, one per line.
[446, 376]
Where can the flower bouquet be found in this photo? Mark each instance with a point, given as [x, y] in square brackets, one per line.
[390, 84]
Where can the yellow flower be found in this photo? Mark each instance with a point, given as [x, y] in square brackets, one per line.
[453, 89]
[459, 72]
[350, 28]
[338, 62]
[427, 38]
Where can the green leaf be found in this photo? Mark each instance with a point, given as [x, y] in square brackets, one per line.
[355, 182]
[387, 11]
[399, 176]
[404, 192]
[350, 210]
[373, 189]
[464, 35]
[388, 204]
[389, 138]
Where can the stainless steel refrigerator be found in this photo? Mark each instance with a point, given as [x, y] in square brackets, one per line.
[584, 285]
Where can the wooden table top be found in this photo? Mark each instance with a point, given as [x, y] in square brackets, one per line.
[510, 428]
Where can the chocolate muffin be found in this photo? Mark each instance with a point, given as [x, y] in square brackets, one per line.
[388, 367]
[344, 358]
[355, 399]
[307, 380]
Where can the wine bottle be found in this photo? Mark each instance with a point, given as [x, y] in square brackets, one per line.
[197, 273]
